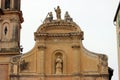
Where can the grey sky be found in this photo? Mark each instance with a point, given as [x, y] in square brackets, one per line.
[95, 18]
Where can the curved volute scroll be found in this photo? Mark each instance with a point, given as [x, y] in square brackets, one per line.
[103, 64]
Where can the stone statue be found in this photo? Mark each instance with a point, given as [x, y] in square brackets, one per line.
[67, 17]
[49, 17]
[59, 65]
[23, 65]
[58, 12]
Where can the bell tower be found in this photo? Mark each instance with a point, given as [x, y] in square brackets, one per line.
[10, 26]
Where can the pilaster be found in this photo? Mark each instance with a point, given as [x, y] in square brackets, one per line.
[76, 57]
[41, 61]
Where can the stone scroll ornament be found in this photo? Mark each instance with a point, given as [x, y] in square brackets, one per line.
[103, 65]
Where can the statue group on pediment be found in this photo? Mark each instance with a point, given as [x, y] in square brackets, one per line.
[49, 17]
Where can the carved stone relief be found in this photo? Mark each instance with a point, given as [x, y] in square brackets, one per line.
[23, 65]
[14, 61]
[103, 65]
[67, 17]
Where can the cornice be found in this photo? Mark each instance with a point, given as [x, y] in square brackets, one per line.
[7, 15]
[4, 50]
[77, 35]
[62, 75]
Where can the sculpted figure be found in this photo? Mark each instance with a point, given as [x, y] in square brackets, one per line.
[23, 65]
[49, 17]
[58, 12]
[67, 17]
[59, 65]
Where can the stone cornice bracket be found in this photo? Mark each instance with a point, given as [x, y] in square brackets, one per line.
[41, 47]
[78, 35]
[76, 46]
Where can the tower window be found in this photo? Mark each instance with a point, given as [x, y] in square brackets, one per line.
[16, 4]
[5, 30]
[7, 4]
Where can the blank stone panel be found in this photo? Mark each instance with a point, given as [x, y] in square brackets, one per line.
[4, 72]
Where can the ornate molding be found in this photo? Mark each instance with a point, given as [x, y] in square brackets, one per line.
[13, 17]
[58, 25]
[3, 50]
[74, 35]
[15, 59]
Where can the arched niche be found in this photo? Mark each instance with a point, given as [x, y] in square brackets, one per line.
[5, 31]
[58, 62]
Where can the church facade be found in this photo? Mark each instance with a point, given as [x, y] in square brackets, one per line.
[58, 53]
